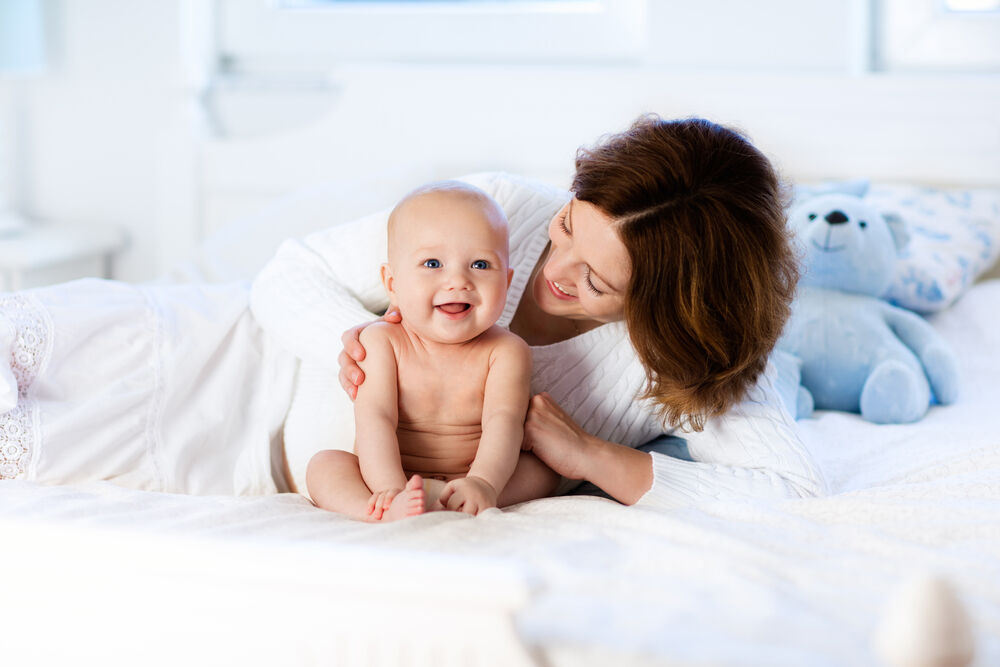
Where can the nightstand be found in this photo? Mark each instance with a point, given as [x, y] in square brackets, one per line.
[43, 254]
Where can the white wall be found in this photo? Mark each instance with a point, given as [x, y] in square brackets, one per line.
[7, 98]
[96, 119]
[114, 134]
[768, 35]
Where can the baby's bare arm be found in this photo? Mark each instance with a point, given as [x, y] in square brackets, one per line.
[505, 402]
[376, 414]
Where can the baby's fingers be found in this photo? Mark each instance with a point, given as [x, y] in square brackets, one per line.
[374, 507]
[387, 498]
[455, 502]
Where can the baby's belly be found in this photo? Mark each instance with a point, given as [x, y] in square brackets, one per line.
[444, 453]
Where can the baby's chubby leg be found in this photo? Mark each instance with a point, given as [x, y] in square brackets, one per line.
[335, 483]
[531, 480]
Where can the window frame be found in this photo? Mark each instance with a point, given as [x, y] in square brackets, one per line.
[924, 35]
[264, 35]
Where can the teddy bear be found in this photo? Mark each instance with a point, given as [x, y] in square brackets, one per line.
[858, 353]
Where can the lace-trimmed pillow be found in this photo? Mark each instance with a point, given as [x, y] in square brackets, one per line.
[954, 238]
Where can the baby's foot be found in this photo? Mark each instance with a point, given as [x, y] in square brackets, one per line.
[411, 501]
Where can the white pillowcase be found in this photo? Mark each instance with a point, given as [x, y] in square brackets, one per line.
[321, 417]
[954, 237]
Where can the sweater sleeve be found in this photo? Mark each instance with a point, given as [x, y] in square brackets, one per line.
[753, 451]
[317, 287]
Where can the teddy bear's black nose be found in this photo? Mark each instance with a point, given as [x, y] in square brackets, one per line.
[836, 218]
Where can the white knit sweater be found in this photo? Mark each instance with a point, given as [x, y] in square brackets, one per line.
[316, 288]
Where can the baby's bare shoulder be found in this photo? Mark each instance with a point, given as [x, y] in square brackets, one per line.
[380, 337]
[379, 331]
[505, 344]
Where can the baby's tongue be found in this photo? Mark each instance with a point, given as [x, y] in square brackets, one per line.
[453, 308]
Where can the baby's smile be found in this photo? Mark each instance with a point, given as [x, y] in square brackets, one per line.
[455, 310]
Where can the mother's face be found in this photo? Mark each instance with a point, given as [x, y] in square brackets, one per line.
[587, 267]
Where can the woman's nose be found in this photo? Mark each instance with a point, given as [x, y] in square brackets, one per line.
[558, 264]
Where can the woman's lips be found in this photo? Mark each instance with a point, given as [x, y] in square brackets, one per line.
[454, 311]
[559, 294]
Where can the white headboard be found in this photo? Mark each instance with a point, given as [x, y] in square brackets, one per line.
[395, 126]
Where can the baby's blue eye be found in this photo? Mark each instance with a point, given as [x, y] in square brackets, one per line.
[432, 264]
[480, 264]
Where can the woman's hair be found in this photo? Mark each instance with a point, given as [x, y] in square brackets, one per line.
[701, 213]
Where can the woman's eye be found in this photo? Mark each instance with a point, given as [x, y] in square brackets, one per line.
[480, 264]
[562, 224]
[591, 286]
[432, 263]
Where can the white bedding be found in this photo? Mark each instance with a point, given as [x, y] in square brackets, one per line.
[106, 574]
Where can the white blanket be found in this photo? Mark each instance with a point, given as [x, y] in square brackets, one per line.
[750, 583]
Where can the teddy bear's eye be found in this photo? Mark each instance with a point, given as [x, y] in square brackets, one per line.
[862, 224]
[812, 216]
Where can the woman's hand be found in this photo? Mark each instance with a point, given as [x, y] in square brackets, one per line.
[622, 472]
[555, 438]
[351, 375]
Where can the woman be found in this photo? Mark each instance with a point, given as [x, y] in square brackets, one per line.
[651, 298]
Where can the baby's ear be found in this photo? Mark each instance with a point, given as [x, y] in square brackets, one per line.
[385, 272]
[510, 275]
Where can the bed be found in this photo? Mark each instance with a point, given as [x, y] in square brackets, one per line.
[104, 575]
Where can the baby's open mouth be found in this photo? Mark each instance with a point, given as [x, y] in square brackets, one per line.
[453, 308]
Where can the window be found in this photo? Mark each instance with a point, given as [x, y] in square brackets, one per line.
[311, 34]
[940, 35]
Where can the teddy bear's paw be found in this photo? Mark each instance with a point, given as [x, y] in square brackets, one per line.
[942, 370]
[804, 404]
[894, 394]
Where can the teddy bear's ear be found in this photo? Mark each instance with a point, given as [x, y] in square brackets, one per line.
[898, 229]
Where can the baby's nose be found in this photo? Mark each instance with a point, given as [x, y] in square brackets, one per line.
[459, 279]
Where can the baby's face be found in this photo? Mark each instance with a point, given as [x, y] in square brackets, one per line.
[448, 267]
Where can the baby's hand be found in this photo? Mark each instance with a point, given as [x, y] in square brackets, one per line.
[469, 494]
[380, 501]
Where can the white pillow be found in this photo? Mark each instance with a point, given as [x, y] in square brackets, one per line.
[954, 237]
[240, 248]
[321, 417]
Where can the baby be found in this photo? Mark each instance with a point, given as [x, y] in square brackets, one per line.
[440, 418]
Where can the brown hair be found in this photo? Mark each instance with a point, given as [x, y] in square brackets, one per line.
[701, 213]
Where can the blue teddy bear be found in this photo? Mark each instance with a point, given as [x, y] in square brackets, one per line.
[858, 353]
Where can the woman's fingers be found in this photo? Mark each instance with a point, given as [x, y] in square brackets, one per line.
[351, 340]
[393, 316]
[355, 350]
[546, 410]
[350, 387]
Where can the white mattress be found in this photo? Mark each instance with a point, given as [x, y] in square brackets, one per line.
[102, 574]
